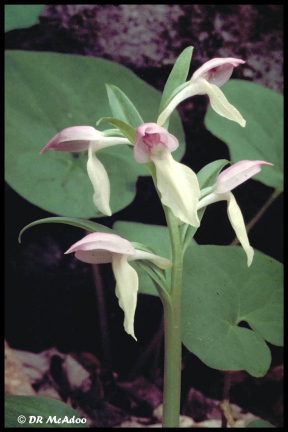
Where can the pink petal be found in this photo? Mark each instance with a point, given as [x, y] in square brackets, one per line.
[150, 136]
[98, 247]
[72, 139]
[105, 241]
[238, 174]
[217, 71]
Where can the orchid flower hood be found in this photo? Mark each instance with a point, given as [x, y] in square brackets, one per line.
[207, 80]
[100, 248]
[177, 184]
[227, 181]
[80, 138]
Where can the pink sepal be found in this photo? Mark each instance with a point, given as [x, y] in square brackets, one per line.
[217, 71]
[72, 139]
[237, 174]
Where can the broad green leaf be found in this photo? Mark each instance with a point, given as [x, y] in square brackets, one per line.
[77, 222]
[177, 77]
[122, 108]
[47, 92]
[18, 16]
[127, 130]
[22, 411]
[259, 424]
[262, 138]
[219, 292]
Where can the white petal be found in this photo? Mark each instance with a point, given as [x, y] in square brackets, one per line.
[235, 217]
[238, 224]
[179, 188]
[100, 182]
[160, 262]
[126, 290]
[220, 103]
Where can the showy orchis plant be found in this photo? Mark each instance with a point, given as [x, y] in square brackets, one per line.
[178, 188]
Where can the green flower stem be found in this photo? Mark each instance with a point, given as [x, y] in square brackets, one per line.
[172, 323]
[172, 331]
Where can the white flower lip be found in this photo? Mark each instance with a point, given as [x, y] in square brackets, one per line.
[177, 183]
[219, 102]
[179, 189]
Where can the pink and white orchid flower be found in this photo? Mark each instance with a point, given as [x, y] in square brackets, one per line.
[176, 182]
[227, 180]
[100, 248]
[207, 80]
[80, 138]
